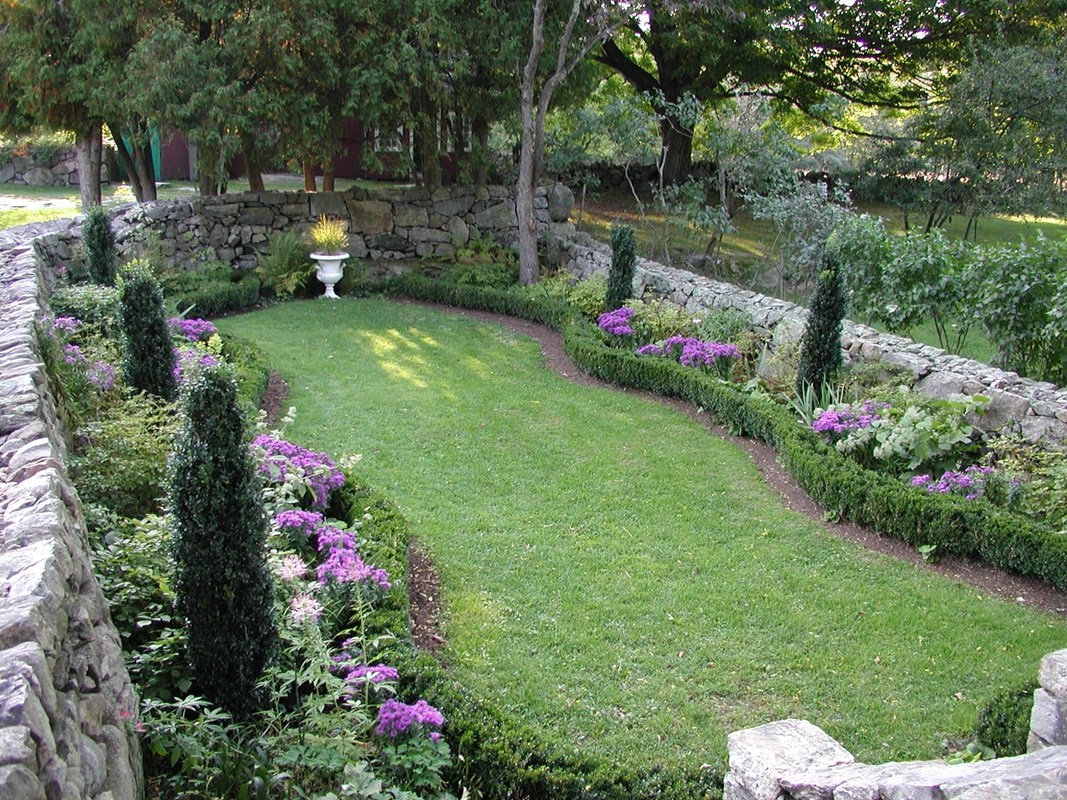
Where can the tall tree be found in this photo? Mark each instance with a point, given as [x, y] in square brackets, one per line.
[45, 83]
[799, 51]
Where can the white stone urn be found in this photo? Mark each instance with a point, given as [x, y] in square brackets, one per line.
[331, 268]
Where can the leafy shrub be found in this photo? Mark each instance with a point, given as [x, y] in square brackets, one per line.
[132, 561]
[623, 262]
[250, 368]
[101, 256]
[222, 584]
[588, 296]
[1004, 723]
[91, 304]
[820, 346]
[1018, 297]
[120, 456]
[659, 320]
[221, 298]
[178, 280]
[489, 274]
[287, 265]
[1043, 474]
[148, 360]
[724, 325]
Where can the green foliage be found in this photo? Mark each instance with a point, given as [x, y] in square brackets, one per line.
[1004, 723]
[250, 368]
[148, 357]
[623, 262]
[657, 320]
[1044, 479]
[91, 304]
[131, 559]
[221, 298]
[588, 296]
[483, 262]
[223, 587]
[328, 236]
[287, 265]
[101, 257]
[820, 347]
[1018, 296]
[120, 455]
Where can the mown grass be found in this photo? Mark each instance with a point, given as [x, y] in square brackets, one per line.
[616, 576]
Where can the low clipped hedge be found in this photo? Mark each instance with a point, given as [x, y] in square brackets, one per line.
[881, 502]
[221, 298]
[495, 756]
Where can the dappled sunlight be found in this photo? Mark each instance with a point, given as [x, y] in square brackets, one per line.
[399, 354]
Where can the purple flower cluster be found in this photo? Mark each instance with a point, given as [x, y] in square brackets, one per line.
[970, 482]
[99, 373]
[66, 324]
[188, 359]
[345, 565]
[839, 420]
[194, 330]
[298, 521]
[692, 352]
[617, 322]
[280, 456]
[395, 717]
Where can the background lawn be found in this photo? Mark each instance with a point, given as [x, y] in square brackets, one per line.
[613, 573]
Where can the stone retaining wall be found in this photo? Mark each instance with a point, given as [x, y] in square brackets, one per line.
[384, 223]
[66, 703]
[60, 170]
[1040, 409]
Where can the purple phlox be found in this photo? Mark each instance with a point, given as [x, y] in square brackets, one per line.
[617, 322]
[298, 521]
[72, 354]
[318, 469]
[187, 359]
[969, 483]
[101, 375]
[362, 674]
[194, 330]
[330, 537]
[651, 350]
[841, 419]
[345, 565]
[66, 324]
[395, 717]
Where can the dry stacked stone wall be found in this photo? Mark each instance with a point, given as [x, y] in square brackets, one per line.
[66, 703]
[61, 169]
[384, 223]
[1039, 409]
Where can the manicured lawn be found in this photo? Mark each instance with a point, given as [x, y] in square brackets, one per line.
[615, 575]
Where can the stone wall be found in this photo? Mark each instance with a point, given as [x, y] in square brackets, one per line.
[384, 223]
[60, 170]
[795, 760]
[66, 703]
[1040, 409]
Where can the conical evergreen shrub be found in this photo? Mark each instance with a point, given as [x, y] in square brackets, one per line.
[820, 348]
[623, 262]
[147, 352]
[101, 256]
[222, 583]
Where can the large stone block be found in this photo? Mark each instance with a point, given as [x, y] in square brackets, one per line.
[497, 217]
[410, 217]
[455, 206]
[39, 176]
[256, 215]
[760, 757]
[332, 204]
[371, 217]
[1049, 717]
[560, 202]
[1052, 674]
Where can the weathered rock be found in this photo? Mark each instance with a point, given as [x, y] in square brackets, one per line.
[458, 231]
[497, 216]
[371, 217]
[410, 217]
[1052, 674]
[332, 204]
[256, 215]
[760, 756]
[38, 176]
[560, 202]
[1049, 717]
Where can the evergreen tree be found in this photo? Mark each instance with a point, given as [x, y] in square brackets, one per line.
[99, 242]
[147, 353]
[820, 348]
[623, 262]
[222, 582]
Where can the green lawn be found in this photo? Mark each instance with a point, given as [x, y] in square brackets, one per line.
[617, 576]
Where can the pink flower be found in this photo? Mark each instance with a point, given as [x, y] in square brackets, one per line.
[304, 608]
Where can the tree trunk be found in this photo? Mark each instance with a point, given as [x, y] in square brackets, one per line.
[327, 178]
[309, 175]
[89, 143]
[146, 171]
[529, 267]
[253, 168]
[126, 160]
[480, 130]
[677, 142]
[207, 167]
